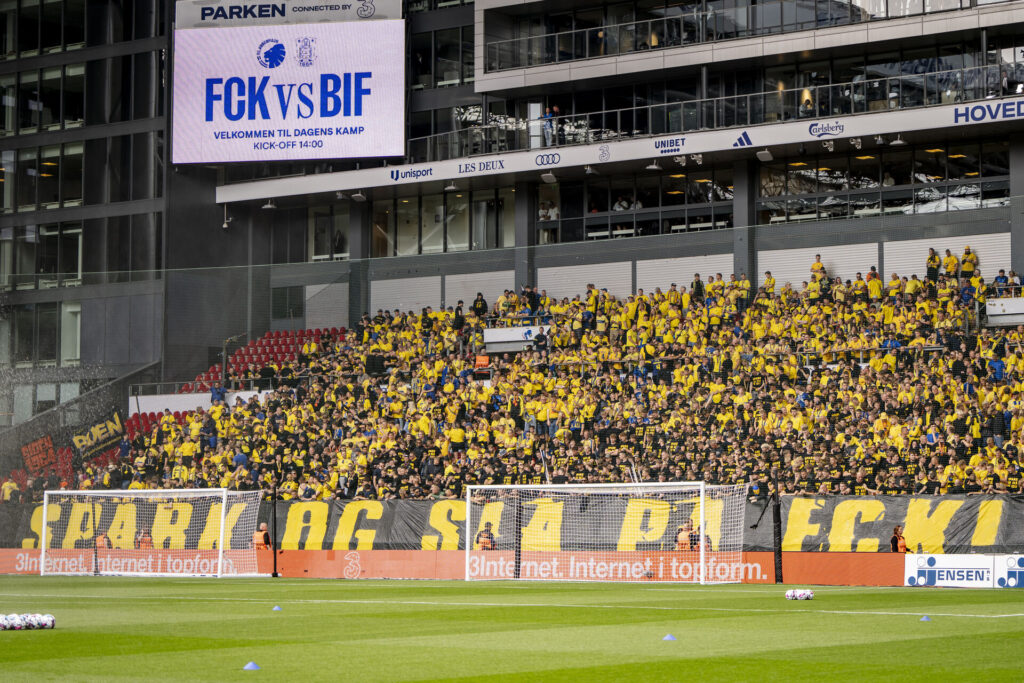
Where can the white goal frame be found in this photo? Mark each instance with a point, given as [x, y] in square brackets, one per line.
[699, 489]
[219, 495]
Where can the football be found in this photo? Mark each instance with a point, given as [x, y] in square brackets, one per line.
[49, 621]
[14, 622]
[3, 622]
[791, 594]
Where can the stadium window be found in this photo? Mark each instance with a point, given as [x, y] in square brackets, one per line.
[548, 203]
[5, 348]
[432, 222]
[722, 186]
[773, 180]
[23, 337]
[74, 24]
[320, 237]
[421, 61]
[49, 99]
[962, 162]
[456, 219]
[8, 105]
[485, 220]
[71, 174]
[6, 261]
[673, 188]
[73, 113]
[71, 254]
[49, 177]
[48, 256]
[995, 159]
[28, 177]
[597, 196]
[51, 24]
[28, 102]
[7, 177]
[288, 303]
[507, 216]
[382, 239]
[46, 333]
[28, 28]
[8, 28]
[467, 59]
[407, 239]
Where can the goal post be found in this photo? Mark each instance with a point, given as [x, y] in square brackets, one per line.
[162, 532]
[687, 532]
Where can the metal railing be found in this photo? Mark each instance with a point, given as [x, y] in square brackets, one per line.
[695, 27]
[860, 96]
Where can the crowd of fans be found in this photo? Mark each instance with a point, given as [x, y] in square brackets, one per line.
[859, 387]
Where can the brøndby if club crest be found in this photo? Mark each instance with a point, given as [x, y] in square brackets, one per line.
[306, 52]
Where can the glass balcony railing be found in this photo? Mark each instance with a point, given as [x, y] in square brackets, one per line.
[696, 26]
[857, 97]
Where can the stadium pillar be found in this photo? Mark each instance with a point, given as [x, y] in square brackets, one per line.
[744, 237]
[1016, 205]
[525, 219]
[359, 218]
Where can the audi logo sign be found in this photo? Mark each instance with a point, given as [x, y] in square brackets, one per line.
[547, 159]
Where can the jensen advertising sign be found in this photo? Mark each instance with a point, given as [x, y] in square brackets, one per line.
[274, 93]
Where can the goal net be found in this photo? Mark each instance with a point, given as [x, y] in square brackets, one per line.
[680, 532]
[189, 532]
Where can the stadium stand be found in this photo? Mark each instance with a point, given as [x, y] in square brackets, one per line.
[859, 387]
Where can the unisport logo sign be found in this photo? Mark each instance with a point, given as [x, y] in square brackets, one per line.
[411, 173]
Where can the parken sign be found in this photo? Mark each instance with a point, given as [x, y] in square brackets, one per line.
[215, 13]
[273, 93]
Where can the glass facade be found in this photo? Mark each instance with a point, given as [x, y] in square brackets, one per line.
[625, 27]
[895, 180]
[439, 59]
[443, 223]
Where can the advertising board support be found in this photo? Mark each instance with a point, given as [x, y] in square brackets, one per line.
[274, 545]
[777, 525]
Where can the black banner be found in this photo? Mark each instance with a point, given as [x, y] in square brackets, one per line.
[99, 437]
[950, 524]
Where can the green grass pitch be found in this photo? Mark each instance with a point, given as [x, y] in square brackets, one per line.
[208, 629]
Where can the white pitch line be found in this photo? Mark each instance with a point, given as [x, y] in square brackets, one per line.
[507, 605]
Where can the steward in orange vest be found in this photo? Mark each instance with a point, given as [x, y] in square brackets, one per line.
[261, 538]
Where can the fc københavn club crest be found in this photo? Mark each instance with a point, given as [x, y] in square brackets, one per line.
[271, 53]
[307, 55]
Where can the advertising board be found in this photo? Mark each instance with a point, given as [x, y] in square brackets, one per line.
[289, 92]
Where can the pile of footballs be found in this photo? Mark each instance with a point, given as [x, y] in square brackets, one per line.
[26, 622]
[799, 594]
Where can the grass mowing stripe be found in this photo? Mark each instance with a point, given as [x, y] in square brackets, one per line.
[506, 605]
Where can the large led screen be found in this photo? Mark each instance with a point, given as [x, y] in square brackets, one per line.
[275, 93]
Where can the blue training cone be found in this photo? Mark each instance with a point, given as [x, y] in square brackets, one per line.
[669, 637]
[926, 618]
[251, 666]
[277, 608]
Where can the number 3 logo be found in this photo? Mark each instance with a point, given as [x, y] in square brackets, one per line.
[366, 9]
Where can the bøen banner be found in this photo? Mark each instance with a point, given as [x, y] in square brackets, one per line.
[934, 525]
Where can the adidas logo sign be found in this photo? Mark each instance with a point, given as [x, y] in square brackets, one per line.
[743, 140]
